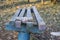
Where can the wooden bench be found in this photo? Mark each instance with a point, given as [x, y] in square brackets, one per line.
[25, 21]
[30, 18]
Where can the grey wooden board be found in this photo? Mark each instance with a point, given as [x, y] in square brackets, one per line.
[38, 17]
[29, 15]
[15, 15]
[19, 17]
[22, 12]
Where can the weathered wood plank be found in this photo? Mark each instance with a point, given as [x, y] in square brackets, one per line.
[41, 23]
[15, 15]
[29, 22]
[22, 12]
[19, 19]
[29, 15]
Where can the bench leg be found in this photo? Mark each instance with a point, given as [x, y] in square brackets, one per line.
[23, 36]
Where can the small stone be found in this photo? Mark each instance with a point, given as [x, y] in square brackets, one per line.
[9, 37]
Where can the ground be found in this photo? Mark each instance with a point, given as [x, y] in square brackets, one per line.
[49, 12]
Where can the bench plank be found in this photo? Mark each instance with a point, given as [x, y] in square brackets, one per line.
[15, 15]
[30, 18]
[18, 23]
[22, 12]
[29, 15]
[39, 19]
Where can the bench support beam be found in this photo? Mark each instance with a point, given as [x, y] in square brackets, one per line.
[23, 36]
